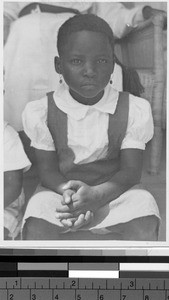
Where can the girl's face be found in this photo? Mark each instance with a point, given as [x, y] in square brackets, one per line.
[86, 64]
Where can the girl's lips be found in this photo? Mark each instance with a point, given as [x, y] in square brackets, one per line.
[89, 87]
[89, 84]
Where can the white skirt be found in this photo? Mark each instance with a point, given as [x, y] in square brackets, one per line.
[134, 203]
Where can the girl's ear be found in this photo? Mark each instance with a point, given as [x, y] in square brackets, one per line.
[57, 65]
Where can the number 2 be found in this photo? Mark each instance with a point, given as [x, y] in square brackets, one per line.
[73, 282]
[11, 296]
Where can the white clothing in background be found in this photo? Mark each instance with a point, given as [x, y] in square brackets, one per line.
[14, 156]
[120, 19]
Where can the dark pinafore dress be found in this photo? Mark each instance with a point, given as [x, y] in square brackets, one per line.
[99, 171]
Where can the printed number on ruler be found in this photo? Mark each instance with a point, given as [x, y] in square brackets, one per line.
[83, 288]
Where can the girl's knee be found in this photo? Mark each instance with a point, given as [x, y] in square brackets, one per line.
[32, 229]
[146, 228]
[150, 232]
[38, 229]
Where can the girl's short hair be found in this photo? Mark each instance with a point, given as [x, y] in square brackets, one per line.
[89, 22]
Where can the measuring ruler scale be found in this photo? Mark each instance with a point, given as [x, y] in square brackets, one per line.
[40, 288]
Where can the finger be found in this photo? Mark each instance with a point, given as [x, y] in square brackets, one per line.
[83, 219]
[88, 216]
[67, 197]
[63, 215]
[72, 206]
[75, 197]
[67, 223]
[63, 209]
[72, 184]
[73, 219]
[79, 222]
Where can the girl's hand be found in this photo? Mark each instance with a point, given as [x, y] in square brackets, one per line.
[82, 220]
[66, 218]
[85, 197]
[70, 216]
[63, 211]
[76, 223]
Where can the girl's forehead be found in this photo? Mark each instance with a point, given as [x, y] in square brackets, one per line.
[85, 39]
[87, 34]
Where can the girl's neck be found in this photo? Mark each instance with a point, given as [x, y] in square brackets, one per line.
[84, 100]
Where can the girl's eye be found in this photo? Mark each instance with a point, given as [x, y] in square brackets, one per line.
[102, 61]
[76, 61]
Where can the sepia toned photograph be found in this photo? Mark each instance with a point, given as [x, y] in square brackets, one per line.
[85, 121]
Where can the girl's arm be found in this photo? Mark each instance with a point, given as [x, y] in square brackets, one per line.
[52, 179]
[131, 161]
[12, 186]
[48, 168]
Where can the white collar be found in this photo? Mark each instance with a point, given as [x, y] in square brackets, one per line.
[78, 111]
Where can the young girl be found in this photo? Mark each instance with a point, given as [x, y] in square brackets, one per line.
[29, 36]
[89, 141]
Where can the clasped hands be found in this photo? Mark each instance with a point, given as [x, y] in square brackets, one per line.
[78, 204]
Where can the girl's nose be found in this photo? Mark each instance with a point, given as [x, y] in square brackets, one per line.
[89, 69]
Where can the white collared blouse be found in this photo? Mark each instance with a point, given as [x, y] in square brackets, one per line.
[88, 125]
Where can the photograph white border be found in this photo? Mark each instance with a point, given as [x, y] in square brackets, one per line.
[77, 244]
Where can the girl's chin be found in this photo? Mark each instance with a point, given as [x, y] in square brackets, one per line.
[87, 97]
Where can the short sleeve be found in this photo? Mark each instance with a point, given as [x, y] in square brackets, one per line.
[140, 127]
[34, 118]
[15, 157]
